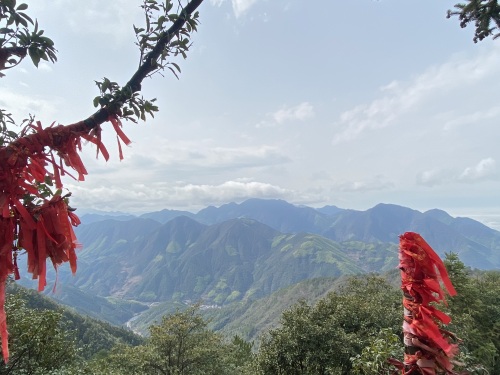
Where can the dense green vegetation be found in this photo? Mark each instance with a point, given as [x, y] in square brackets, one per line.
[181, 344]
[322, 339]
[476, 315]
[352, 329]
[40, 341]
[46, 338]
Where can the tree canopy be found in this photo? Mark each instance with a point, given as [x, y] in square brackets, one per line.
[484, 14]
[181, 344]
[322, 339]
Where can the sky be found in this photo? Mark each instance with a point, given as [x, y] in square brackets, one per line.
[320, 102]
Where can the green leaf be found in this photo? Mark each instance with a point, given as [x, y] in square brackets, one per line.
[177, 67]
[48, 181]
[22, 7]
[173, 71]
[26, 17]
[35, 55]
[105, 85]
[138, 30]
[21, 21]
[47, 41]
[136, 110]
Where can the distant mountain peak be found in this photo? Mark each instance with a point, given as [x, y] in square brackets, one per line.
[440, 215]
[392, 207]
[330, 210]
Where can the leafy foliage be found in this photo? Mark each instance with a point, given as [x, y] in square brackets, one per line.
[321, 339]
[373, 358]
[356, 330]
[476, 316]
[39, 340]
[20, 35]
[90, 337]
[130, 104]
[158, 44]
[353, 330]
[181, 344]
[156, 16]
[251, 318]
[485, 14]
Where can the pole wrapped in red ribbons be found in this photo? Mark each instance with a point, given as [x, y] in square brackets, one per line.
[428, 348]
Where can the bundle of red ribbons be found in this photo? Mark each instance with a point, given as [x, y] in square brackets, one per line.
[29, 220]
[429, 348]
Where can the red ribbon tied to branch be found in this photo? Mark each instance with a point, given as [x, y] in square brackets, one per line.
[30, 221]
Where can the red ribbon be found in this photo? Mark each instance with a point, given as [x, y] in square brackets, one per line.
[117, 125]
[421, 273]
[46, 230]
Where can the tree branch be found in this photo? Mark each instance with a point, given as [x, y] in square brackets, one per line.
[149, 64]
[7, 52]
[103, 114]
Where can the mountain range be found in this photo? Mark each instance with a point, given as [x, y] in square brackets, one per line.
[239, 253]
[477, 244]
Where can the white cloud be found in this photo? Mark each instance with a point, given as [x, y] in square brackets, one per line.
[233, 190]
[204, 158]
[301, 112]
[378, 182]
[45, 67]
[180, 162]
[472, 118]
[404, 98]
[484, 169]
[434, 177]
[240, 7]
[22, 105]
[150, 197]
[113, 18]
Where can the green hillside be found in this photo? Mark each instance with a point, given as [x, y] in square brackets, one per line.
[91, 336]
